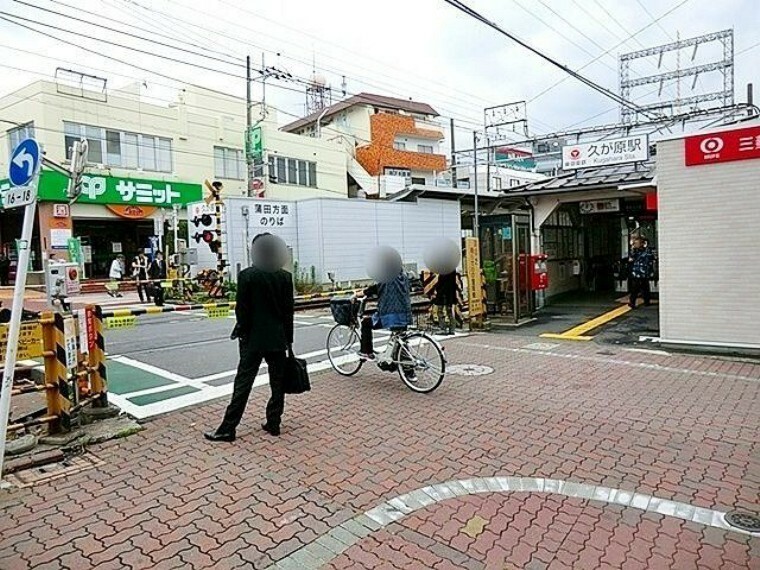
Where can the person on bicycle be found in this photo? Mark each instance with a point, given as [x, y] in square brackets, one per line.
[394, 310]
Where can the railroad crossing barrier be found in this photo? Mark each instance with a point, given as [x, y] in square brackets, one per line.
[73, 352]
[429, 282]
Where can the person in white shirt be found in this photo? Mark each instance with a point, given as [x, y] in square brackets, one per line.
[116, 274]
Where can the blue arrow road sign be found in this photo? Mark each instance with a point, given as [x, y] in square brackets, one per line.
[25, 160]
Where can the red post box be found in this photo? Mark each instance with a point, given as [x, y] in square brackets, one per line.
[539, 276]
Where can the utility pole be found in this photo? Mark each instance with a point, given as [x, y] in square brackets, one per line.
[453, 157]
[488, 162]
[263, 83]
[476, 224]
[249, 126]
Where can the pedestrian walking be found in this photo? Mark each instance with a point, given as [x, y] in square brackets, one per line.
[445, 297]
[264, 330]
[116, 274]
[641, 261]
[158, 274]
[140, 274]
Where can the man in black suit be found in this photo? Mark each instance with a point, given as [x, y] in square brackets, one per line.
[157, 272]
[264, 311]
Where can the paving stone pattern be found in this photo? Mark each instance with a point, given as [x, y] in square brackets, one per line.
[680, 428]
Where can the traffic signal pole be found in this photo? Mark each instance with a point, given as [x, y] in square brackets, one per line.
[14, 327]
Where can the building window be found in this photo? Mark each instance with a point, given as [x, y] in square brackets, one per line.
[418, 180]
[292, 171]
[120, 149]
[16, 135]
[399, 145]
[425, 148]
[495, 183]
[229, 163]
[513, 182]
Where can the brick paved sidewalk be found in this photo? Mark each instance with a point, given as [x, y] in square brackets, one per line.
[566, 435]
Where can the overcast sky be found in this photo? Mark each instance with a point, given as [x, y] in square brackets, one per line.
[424, 49]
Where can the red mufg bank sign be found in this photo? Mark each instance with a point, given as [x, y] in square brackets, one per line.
[725, 146]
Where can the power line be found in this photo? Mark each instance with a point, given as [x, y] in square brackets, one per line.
[160, 33]
[117, 44]
[614, 34]
[169, 58]
[364, 79]
[632, 35]
[468, 96]
[123, 62]
[570, 24]
[596, 87]
[651, 16]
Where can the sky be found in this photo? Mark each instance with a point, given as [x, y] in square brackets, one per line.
[421, 49]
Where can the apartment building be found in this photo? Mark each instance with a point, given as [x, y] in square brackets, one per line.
[391, 142]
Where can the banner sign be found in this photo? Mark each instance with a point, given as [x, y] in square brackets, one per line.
[218, 312]
[29, 341]
[86, 326]
[474, 281]
[726, 146]
[116, 191]
[605, 152]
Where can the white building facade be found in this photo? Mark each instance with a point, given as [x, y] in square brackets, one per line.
[146, 161]
[708, 188]
[331, 239]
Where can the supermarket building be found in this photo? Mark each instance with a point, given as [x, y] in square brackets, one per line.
[145, 160]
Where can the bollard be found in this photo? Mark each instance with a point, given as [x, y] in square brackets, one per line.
[97, 362]
[51, 369]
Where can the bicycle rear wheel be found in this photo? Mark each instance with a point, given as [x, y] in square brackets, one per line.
[422, 364]
[343, 349]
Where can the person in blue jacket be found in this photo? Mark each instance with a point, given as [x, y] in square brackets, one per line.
[394, 310]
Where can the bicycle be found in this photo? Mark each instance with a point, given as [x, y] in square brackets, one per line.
[418, 358]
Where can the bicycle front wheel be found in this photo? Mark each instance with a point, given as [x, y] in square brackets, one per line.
[422, 364]
[343, 349]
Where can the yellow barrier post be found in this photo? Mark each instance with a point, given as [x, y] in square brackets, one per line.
[51, 369]
[61, 376]
[99, 377]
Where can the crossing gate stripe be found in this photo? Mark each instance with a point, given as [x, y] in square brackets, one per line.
[62, 373]
[429, 281]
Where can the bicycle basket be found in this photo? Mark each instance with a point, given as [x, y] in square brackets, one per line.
[343, 311]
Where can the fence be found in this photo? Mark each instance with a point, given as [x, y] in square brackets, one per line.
[73, 351]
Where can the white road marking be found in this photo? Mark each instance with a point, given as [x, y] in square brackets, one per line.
[207, 393]
[648, 351]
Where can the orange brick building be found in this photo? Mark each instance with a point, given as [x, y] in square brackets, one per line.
[385, 151]
[392, 142]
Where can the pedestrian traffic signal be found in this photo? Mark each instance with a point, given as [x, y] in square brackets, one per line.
[208, 237]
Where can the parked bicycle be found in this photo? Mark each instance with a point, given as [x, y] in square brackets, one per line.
[417, 357]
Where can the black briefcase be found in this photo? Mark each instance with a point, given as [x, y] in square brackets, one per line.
[296, 379]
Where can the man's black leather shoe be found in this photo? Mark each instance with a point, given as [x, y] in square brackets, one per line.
[270, 430]
[216, 436]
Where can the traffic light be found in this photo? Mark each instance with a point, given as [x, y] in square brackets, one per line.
[204, 219]
[208, 237]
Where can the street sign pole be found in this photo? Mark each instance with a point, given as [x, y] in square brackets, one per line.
[15, 325]
[23, 169]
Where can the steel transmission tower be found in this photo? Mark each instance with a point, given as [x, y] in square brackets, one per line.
[716, 62]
